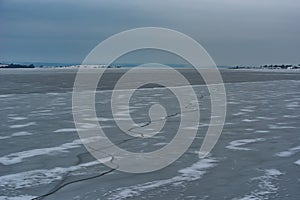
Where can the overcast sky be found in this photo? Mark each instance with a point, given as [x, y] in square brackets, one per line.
[234, 32]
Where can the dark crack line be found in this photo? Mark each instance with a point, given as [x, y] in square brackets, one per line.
[164, 118]
[71, 182]
[156, 120]
[61, 185]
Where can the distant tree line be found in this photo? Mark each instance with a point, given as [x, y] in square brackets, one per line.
[17, 66]
[268, 67]
[280, 66]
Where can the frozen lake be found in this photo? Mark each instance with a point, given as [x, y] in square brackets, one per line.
[256, 157]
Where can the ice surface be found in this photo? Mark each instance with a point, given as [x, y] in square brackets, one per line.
[192, 173]
[42, 112]
[18, 157]
[235, 145]
[22, 125]
[266, 185]
[290, 152]
[21, 197]
[41, 176]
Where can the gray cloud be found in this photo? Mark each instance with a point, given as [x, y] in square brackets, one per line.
[232, 31]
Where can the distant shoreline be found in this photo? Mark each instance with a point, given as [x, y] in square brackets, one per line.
[275, 68]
